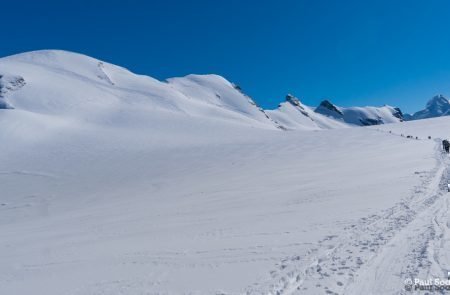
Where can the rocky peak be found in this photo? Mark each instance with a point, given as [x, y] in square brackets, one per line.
[438, 104]
[326, 104]
[293, 100]
[398, 114]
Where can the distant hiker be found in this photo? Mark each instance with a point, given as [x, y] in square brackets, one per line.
[429, 137]
[446, 145]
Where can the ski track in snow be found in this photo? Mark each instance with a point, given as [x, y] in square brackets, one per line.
[28, 173]
[380, 251]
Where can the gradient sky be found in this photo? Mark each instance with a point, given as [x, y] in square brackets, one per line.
[351, 52]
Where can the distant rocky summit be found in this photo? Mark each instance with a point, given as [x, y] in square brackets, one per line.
[437, 106]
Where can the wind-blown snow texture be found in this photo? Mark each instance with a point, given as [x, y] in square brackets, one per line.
[115, 183]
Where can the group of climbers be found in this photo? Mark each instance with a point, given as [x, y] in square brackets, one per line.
[445, 144]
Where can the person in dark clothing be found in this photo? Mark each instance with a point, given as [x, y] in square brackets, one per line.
[446, 145]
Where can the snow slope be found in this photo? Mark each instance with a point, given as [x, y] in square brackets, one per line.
[68, 85]
[292, 114]
[124, 211]
[215, 90]
[361, 116]
[114, 183]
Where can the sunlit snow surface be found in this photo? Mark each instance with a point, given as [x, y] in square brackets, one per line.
[113, 183]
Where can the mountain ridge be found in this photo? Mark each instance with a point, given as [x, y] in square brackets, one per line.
[58, 76]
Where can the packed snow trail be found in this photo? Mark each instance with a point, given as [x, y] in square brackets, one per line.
[412, 252]
[379, 252]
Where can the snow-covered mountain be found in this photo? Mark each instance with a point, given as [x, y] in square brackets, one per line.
[437, 106]
[77, 87]
[68, 85]
[71, 86]
[292, 114]
[361, 116]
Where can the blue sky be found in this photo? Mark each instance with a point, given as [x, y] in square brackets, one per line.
[351, 52]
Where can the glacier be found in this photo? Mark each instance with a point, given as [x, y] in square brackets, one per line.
[117, 183]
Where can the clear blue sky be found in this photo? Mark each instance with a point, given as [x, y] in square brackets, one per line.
[352, 52]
